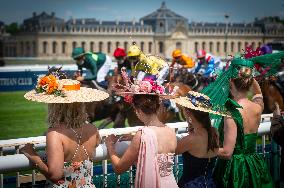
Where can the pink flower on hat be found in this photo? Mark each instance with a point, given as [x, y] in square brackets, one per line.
[145, 86]
[134, 88]
[159, 89]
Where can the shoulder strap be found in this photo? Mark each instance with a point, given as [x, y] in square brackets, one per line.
[79, 137]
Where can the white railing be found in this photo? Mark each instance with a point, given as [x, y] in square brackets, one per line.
[12, 161]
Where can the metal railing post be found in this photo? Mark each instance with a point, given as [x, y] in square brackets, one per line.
[18, 184]
[104, 166]
[1, 175]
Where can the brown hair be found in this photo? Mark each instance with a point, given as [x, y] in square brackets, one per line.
[149, 104]
[244, 81]
[72, 115]
[204, 119]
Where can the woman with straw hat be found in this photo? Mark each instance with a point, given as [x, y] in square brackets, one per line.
[70, 139]
[199, 148]
[153, 146]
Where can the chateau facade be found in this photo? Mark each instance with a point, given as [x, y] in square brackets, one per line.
[45, 36]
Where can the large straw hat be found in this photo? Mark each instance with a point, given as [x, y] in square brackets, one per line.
[200, 102]
[63, 91]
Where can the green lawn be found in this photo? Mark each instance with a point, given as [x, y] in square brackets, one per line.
[21, 118]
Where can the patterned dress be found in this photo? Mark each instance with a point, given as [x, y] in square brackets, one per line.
[76, 174]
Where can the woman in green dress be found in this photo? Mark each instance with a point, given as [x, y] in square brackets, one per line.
[238, 164]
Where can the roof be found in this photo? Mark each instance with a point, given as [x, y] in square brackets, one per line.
[43, 19]
[163, 13]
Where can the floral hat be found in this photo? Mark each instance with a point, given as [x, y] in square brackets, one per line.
[147, 86]
[200, 102]
[50, 89]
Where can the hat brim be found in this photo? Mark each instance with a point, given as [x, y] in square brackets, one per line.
[183, 101]
[163, 96]
[77, 56]
[82, 95]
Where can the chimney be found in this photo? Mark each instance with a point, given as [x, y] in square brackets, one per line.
[141, 22]
[133, 21]
[34, 14]
[83, 21]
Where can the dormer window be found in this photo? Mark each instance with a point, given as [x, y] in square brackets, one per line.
[161, 24]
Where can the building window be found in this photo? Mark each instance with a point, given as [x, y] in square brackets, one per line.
[259, 44]
[203, 45]
[225, 46]
[22, 48]
[117, 44]
[100, 46]
[161, 24]
[218, 47]
[34, 48]
[150, 47]
[45, 47]
[178, 45]
[92, 46]
[246, 44]
[142, 46]
[126, 46]
[161, 47]
[74, 44]
[83, 45]
[54, 47]
[196, 47]
[232, 46]
[211, 46]
[28, 49]
[239, 46]
[64, 47]
[108, 47]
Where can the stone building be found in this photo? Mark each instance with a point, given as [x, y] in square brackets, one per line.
[46, 36]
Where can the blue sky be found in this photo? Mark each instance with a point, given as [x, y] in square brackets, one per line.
[126, 10]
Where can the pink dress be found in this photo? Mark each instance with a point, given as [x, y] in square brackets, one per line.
[153, 170]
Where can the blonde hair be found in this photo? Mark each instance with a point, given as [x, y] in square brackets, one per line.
[72, 115]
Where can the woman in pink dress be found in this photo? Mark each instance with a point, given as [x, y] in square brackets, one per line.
[152, 147]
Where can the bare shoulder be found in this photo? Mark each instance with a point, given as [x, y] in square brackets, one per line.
[53, 132]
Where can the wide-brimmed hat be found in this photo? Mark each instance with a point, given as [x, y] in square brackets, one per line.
[200, 102]
[51, 90]
[147, 86]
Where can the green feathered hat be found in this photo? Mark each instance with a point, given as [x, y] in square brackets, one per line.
[219, 90]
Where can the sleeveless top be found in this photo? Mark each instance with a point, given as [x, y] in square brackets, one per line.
[153, 170]
[76, 174]
[197, 169]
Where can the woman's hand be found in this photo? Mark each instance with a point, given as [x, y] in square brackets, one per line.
[126, 137]
[111, 140]
[28, 150]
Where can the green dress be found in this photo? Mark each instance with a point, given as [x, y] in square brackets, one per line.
[246, 168]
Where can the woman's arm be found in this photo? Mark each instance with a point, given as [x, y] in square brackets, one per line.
[122, 164]
[230, 136]
[183, 145]
[257, 96]
[53, 169]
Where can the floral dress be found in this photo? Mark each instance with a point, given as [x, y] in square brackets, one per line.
[76, 174]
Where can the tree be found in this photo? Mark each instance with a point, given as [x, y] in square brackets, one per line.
[13, 28]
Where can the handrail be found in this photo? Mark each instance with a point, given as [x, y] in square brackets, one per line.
[18, 162]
